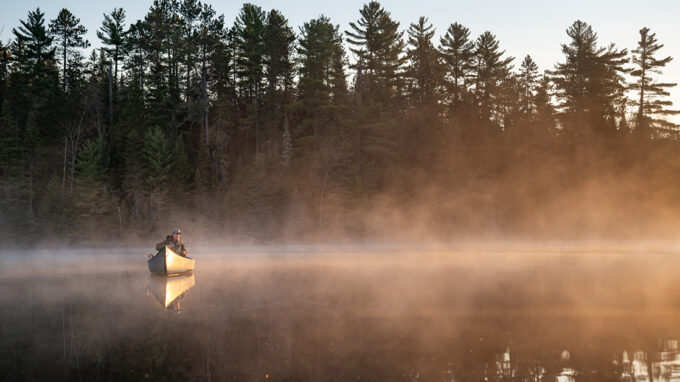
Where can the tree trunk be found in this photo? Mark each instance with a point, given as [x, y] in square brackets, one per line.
[63, 176]
[110, 98]
[204, 86]
[115, 73]
[257, 122]
[64, 63]
[204, 90]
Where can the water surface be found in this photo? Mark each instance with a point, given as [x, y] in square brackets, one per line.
[286, 315]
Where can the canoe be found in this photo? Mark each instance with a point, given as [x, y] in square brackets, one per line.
[168, 289]
[167, 262]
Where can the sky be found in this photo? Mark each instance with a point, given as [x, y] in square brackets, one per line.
[534, 27]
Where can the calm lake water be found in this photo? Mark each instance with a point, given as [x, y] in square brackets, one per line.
[285, 315]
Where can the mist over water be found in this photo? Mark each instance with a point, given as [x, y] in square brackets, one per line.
[273, 313]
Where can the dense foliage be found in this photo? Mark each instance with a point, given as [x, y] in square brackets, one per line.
[263, 131]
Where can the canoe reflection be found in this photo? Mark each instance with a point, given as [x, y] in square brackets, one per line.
[170, 290]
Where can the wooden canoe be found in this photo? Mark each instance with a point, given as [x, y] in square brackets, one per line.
[167, 289]
[167, 262]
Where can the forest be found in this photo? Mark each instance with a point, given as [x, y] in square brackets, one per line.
[261, 131]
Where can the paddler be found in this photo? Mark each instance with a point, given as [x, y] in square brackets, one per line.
[173, 241]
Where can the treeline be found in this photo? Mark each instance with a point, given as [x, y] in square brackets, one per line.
[258, 129]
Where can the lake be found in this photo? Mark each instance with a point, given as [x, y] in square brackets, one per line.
[325, 314]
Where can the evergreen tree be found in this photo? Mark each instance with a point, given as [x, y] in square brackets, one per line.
[528, 81]
[322, 59]
[378, 46]
[209, 39]
[491, 68]
[92, 164]
[652, 95]
[250, 29]
[190, 10]
[322, 85]
[458, 53]
[425, 69]
[545, 111]
[34, 82]
[68, 33]
[278, 48]
[135, 43]
[33, 44]
[508, 104]
[157, 24]
[278, 62]
[337, 76]
[113, 35]
[590, 80]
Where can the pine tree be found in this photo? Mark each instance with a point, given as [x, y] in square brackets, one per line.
[378, 46]
[135, 43]
[92, 164]
[278, 49]
[650, 102]
[33, 45]
[68, 32]
[34, 83]
[528, 81]
[545, 110]
[156, 24]
[190, 10]
[590, 81]
[491, 68]
[209, 39]
[458, 53]
[279, 46]
[509, 101]
[425, 69]
[250, 29]
[337, 77]
[322, 85]
[113, 35]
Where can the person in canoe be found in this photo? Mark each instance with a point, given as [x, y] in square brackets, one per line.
[174, 241]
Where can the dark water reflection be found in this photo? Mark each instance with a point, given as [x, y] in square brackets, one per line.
[335, 317]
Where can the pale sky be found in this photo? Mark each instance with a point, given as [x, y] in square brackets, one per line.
[535, 27]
